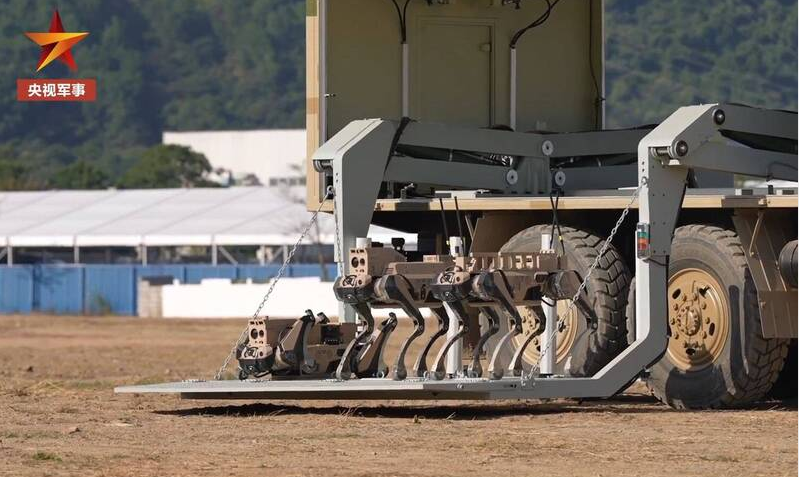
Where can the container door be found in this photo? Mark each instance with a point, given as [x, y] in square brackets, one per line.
[453, 81]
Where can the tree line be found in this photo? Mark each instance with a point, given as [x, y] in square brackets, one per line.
[211, 64]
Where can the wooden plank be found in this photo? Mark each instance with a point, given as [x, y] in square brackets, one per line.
[311, 103]
[578, 203]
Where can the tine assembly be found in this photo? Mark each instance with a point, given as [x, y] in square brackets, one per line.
[420, 368]
[398, 289]
[495, 368]
[493, 287]
[369, 362]
[496, 284]
[475, 369]
[515, 366]
[452, 288]
[292, 351]
[355, 291]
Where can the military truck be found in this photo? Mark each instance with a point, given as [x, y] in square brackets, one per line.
[558, 258]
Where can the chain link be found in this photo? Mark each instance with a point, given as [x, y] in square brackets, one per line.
[329, 193]
[338, 254]
[537, 366]
[286, 260]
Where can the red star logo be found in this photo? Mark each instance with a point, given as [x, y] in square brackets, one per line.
[56, 43]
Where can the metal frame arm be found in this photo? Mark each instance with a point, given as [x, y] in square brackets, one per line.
[692, 137]
[359, 158]
[699, 137]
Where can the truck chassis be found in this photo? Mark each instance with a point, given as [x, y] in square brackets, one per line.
[369, 153]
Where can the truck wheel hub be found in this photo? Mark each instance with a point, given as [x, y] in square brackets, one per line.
[699, 319]
[566, 334]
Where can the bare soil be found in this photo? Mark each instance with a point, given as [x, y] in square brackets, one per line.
[59, 416]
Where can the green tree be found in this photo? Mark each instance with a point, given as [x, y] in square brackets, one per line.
[160, 65]
[165, 166]
[13, 176]
[663, 54]
[213, 64]
[80, 175]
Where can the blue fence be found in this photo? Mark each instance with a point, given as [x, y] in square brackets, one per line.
[94, 289]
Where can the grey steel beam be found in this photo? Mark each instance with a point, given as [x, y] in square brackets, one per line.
[611, 177]
[495, 141]
[520, 143]
[596, 143]
[454, 174]
[765, 122]
[716, 156]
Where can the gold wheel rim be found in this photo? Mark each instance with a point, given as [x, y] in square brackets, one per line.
[699, 319]
[566, 336]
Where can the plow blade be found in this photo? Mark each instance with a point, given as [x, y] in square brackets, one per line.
[361, 389]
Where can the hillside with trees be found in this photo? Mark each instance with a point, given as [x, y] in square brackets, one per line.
[666, 53]
[212, 64]
[161, 65]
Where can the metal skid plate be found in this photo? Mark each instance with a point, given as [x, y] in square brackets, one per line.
[362, 389]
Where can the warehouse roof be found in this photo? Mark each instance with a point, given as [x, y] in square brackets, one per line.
[270, 154]
[160, 217]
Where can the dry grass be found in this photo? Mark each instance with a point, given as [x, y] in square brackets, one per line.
[58, 416]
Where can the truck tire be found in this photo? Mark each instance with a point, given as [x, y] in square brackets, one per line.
[581, 352]
[786, 385]
[716, 356]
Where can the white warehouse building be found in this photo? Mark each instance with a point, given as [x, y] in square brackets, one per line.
[225, 225]
[274, 156]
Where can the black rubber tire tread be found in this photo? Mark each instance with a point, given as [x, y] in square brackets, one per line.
[727, 383]
[607, 288]
[786, 385]
[630, 313]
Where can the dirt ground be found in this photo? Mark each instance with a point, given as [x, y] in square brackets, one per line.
[59, 416]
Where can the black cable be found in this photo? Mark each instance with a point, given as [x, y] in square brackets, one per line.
[599, 99]
[402, 15]
[396, 139]
[560, 232]
[555, 202]
[460, 227]
[537, 22]
[444, 219]
[405, 21]
[554, 205]
[401, 21]
[655, 262]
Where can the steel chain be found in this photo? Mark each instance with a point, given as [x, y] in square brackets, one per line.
[286, 260]
[537, 366]
[338, 254]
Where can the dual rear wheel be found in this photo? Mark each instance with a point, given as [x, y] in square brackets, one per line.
[716, 355]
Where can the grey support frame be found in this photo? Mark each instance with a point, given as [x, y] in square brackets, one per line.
[360, 158]
[693, 137]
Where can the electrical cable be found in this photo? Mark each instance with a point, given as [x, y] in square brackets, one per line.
[547, 303]
[537, 22]
[460, 227]
[655, 262]
[402, 15]
[555, 201]
[444, 219]
[405, 21]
